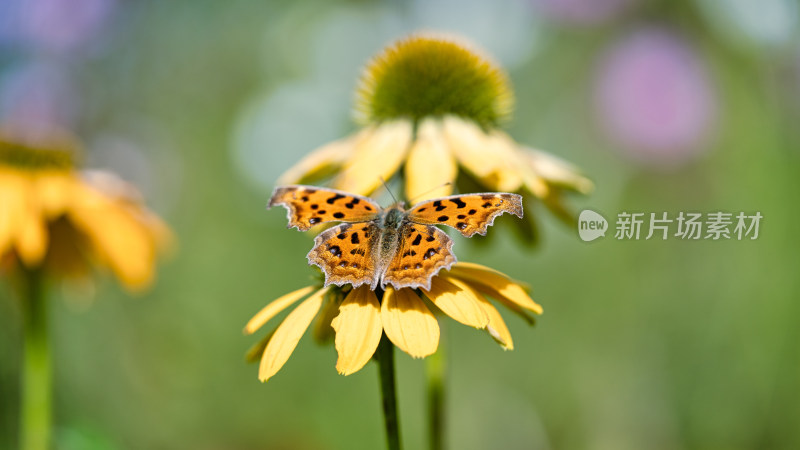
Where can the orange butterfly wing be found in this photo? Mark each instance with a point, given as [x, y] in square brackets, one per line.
[345, 253]
[423, 251]
[468, 213]
[309, 205]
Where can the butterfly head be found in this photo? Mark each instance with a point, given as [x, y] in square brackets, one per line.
[393, 216]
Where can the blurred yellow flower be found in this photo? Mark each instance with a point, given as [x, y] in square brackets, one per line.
[402, 315]
[64, 221]
[431, 106]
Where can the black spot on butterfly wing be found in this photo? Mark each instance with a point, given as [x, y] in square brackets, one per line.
[459, 203]
[334, 198]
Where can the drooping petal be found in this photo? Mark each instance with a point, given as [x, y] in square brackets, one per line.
[377, 156]
[468, 143]
[515, 308]
[288, 334]
[497, 283]
[358, 330]
[275, 307]
[507, 176]
[323, 160]
[54, 191]
[491, 157]
[430, 168]
[557, 171]
[458, 301]
[408, 323]
[117, 237]
[322, 331]
[31, 233]
[535, 183]
[497, 326]
[12, 207]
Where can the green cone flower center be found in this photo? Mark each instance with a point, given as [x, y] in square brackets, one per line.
[26, 157]
[424, 76]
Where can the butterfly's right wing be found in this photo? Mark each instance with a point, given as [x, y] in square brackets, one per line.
[310, 205]
[467, 213]
[424, 250]
[345, 254]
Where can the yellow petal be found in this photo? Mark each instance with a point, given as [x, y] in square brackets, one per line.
[54, 191]
[458, 301]
[507, 176]
[358, 330]
[430, 169]
[32, 235]
[324, 159]
[535, 183]
[557, 171]
[377, 156]
[468, 143]
[275, 307]
[489, 156]
[288, 333]
[31, 232]
[497, 327]
[408, 323]
[12, 207]
[118, 237]
[322, 331]
[516, 309]
[496, 282]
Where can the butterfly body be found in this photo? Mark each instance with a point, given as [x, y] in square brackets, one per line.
[389, 225]
[390, 246]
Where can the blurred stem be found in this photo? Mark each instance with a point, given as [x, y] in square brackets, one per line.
[36, 366]
[435, 378]
[385, 355]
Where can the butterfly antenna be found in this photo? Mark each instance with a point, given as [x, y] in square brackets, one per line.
[386, 186]
[413, 200]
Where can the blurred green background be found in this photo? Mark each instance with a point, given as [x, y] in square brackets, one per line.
[687, 105]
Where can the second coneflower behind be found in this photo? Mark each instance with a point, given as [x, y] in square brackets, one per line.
[58, 222]
[63, 222]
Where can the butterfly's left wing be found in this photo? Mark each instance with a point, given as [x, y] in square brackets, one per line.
[345, 253]
[310, 205]
[468, 213]
[424, 250]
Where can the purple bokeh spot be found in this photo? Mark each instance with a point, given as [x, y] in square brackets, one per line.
[654, 97]
[61, 25]
[37, 96]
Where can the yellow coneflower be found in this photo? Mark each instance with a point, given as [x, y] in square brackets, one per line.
[63, 221]
[432, 105]
[58, 222]
[402, 315]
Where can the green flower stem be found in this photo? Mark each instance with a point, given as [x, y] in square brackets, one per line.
[385, 356]
[36, 366]
[435, 378]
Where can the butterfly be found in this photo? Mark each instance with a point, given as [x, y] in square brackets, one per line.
[391, 246]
